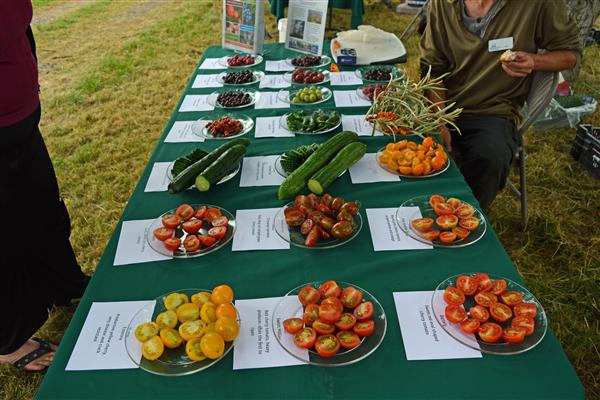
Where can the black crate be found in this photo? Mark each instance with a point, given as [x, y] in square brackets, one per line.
[586, 148]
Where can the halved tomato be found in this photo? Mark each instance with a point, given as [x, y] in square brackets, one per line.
[293, 325]
[465, 210]
[422, 224]
[330, 288]
[454, 296]
[514, 334]
[447, 237]
[466, 284]
[490, 332]
[334, 301]
[348, 339]
[480, 313]
[455, 314]
[364, 328]
[220, 221]
[498, 287]
[163, 233]
[443, 209]
[191, 243]
[435, 199]
[470, 325]
[311, 314]
[431, 235]
[522, 321]
[485, 299]
[153, 348]
[305, 338]
[308, 295]
[346, 321]
[206, 240]
[184, 212]
[172, 243]
[364, 311]
[323, 328]
[525, 309]
[329, 313]
[351, 297]
[212, 213]
[469, 223]
[454, 202]
[192, 226]
[512, 298]
[501, 312]
[460, 233]
[217, 232]
[200, 212]
[171, 221]
[447, 222]
[483, 281]
[327, 345]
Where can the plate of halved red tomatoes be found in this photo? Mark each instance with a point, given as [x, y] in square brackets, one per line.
[191, 230]
[441, 221]
[489, 313]
[329, 323]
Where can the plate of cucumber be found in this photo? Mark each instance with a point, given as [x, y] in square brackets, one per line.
[287, 162]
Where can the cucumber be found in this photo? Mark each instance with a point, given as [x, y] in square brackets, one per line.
[350, 154]
[186, 178]
[185, 161]
[296, 181]
[220, 167]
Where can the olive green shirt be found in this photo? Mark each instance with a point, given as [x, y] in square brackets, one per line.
[477, 82]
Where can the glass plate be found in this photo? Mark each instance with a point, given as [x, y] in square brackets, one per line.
[325, 60]
[397, 136]
[254, 96]
[284, 125]
[293, 235]
[258, 75]
[435, 173]
[422, 202]
[360, 94]
[326, 94]
[396, 73]
[160, 248]
[257, 60]
[288, 77]
[227, 177]
[199, 127]
[287, 309]
[281, 171]
[541, 323]
[173, 362]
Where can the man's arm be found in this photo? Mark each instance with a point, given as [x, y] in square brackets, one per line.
[526, 63]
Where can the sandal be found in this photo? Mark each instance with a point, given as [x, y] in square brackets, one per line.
[44, 348]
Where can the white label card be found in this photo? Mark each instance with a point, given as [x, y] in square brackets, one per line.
[366, 170]
[270, 127]
[206, 81]
[423, 337]
[349, 98]
[256, 345]
[196, 102]
[500, 44]
[272, 100]
[358, 124]
[345, 78]
[278, 66]
[101, 342]
[260, 171]
[212, 63]
[274, 82]
[181, 132]
[386, 233]
[158, 181]
[133, 248]
[255, 231]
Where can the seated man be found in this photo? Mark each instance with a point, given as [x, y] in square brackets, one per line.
[466, 38]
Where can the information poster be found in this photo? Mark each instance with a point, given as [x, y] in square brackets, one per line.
[244, 25]
[306, 26]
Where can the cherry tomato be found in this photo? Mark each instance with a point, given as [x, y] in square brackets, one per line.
[431, 235]
[342, 229]
[188, 312]
[206, 240]
[170, 338]
[447, 237]
[522, 321]
[192, 226]
[455, 314]
[191, 243]
[490, 332]
[460, 233]
[364, 311]
[525, 309]
[485, 299]
[327, 224]
[208, 312]
[211, 214]
[294, 218]
[313, 201]
[351, 297]
[192, 329]
[201, 212]
[325, 210]
[498, 287]
[454, 202]
[153, 348]
[323, 328]
[163, 233]
[337, 203]
[422, 224]
[145, 331]
[184, 212]
[171, 221]
[228, 328]
[166, 319]
[446, 222]
[501, 312]
[350, 206]
[348, 339]
[222, 294]
[309, 295]
[443, 209]
[327, 345]
[306, 226]
[293, 325]
[329, 313]
[480, 313]
[465, 211]
[226, 310]
[469, 223]
[326, 199]
[435, 199]
[335, 301]
[305, 338]
[172, 243]
[212, 345]
[454, 296]
[346, 321]
[217, 232]
[364, 328]
[512, 298]
[313, 237]
[324, 234]
[470, 325]
[193, 350]
[301, 200]
[220, 221]
[311, 314]
[200, 298]
[483, 281]
[330, 288]
[466, 284]
[513, 334]
[174, 300]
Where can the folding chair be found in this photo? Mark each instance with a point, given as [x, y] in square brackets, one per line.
[542, 89]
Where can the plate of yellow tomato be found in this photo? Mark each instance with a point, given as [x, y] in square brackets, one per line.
[410, 159]
[183, 331]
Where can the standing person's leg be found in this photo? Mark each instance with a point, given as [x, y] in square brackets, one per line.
[486, 149]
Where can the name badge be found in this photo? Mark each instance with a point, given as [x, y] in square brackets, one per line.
[500, 44]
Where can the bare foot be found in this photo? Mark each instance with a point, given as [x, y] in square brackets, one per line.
[35, 365]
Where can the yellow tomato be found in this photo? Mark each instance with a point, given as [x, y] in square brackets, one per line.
[167, 319]
[145, 331]
[228, 328]
[191, 329]
[174, 300]
[188, 312]
[209, 328]
[200, 298]
[193, 350]
[212, 345]
[153, 348]
[402, 144]
[222, 294]
[170, 338]
[208, 313]
[226, 310]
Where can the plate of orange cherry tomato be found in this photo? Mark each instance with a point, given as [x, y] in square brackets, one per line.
[440, 221]
[184, 331]
[489, 313]
[329, 323]
[410, 159]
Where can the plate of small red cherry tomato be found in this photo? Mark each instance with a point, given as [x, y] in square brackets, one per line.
[329, 323]
[241, 61]
[489, 313]
[191, 230]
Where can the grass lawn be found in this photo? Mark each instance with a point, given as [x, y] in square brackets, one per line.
[111, 73]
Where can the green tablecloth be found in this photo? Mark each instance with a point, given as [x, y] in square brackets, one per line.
[357, 7]
[543, 372]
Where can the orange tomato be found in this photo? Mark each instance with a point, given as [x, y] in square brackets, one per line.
[170, 338]
[226, 310]
[409, 155]
[222, 294]
[390, 147]
[441, 153]
[428, 142]
[397, 156]
[402, 144]
[427, 167]
[418, 169]
[421, 155]
[392, 164]
[437, 163]
[228, 328]
[405, 170]
[412, 145]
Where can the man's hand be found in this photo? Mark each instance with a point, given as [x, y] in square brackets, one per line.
[522, 66]
[446, 138]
